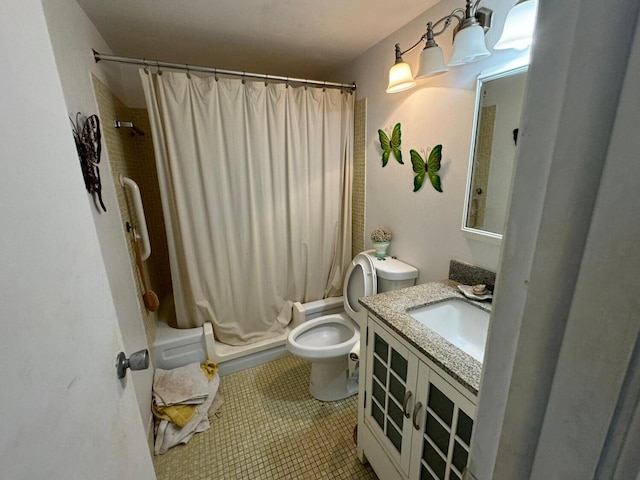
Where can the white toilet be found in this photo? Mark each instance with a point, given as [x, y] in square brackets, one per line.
[327, 341]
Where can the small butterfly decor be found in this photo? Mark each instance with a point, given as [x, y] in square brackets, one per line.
[391, 145]
[429, 168]
[87, 138]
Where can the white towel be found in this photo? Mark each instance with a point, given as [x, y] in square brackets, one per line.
[184, 385]
[170, 435]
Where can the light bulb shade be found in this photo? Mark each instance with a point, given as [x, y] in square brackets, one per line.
[469, 46]
[519, 26]
[400, 78]
[431, 62]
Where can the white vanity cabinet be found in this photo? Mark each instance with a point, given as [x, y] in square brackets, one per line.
[414, 422]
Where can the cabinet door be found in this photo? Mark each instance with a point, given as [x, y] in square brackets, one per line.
[390, 393]
[445, 420]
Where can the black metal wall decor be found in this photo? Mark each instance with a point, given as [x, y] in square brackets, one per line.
[87, 139]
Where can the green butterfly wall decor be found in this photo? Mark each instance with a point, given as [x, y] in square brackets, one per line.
[430, 168]
[391, 145]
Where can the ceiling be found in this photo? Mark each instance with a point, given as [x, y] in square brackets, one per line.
[295, 38]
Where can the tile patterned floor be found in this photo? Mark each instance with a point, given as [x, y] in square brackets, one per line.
[269, 427]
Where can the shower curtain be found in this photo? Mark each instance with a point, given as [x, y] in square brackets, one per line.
[255, 182]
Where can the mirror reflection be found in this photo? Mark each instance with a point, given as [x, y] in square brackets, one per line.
[497, 118]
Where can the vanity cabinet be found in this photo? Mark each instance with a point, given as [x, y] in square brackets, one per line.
[415, 423]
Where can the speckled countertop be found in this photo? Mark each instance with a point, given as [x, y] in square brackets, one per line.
[391, 308]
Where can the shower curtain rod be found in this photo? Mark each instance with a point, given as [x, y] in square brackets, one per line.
[195, 68]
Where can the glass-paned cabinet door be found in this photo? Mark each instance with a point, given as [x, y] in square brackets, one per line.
[390, 389]
[440, 448]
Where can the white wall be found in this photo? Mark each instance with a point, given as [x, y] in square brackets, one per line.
[73, 36]
[426, 224]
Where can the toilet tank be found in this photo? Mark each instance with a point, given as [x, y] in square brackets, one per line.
[393, 274]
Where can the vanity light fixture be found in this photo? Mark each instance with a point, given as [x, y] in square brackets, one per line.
[468, 46]
[519, 25]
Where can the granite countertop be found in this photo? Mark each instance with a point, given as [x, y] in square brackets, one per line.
[391, 308]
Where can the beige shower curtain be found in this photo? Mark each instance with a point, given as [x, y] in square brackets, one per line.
[256, 193]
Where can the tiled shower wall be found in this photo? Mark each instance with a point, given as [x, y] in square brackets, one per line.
[133, 157]
[144, 169]
[482, 165]
[359, 176]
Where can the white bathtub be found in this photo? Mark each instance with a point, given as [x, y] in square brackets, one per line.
[174, 347]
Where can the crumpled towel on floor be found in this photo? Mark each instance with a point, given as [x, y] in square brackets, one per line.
[184, 385]
[170, 434]
[180, 414]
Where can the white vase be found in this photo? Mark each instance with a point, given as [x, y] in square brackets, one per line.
[381, 249]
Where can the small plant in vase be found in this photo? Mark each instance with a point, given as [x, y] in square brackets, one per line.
[381, 238]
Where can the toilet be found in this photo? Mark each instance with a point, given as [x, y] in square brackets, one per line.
[328, 341]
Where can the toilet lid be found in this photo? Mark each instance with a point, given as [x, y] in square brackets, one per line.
[360, 281]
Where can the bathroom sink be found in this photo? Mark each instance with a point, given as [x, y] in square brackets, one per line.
[460, 323]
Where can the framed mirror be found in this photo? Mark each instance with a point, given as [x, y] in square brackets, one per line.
[499, 98]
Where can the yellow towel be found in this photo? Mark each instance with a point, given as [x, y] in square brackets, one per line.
[178, 414]
[209, 369]
[181, 414]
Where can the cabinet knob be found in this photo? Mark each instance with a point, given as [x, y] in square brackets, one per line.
[405, 410]
[416, 411]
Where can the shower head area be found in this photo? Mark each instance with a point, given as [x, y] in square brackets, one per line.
[135, 132]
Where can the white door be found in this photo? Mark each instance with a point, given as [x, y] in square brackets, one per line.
[65, 414]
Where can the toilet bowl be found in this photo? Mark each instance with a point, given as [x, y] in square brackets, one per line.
[327, 341]
[323, 339]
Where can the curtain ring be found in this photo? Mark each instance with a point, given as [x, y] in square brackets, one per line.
[215, 74]
[244, 80]
[146, 66]
[306, 86]
[158, 65]
[266, 80]
[188, 74]
[324, 86]
[286, 83]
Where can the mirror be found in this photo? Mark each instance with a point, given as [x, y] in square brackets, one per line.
[499, 98]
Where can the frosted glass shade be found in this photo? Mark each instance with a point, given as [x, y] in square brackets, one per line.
[519, 26]
[431, 62]
[400, 78]
[469, 46]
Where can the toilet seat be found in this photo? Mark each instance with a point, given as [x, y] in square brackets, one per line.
[325, 337]
[357, 286]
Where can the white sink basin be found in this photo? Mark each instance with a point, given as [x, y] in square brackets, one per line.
[460, 323]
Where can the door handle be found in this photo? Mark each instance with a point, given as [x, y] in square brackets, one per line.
[407, 397]
[416, 411]
[137, 361]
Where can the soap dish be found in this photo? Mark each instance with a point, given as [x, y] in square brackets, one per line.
[467, 291]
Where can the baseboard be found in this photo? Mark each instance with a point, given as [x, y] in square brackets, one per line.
[252, 360]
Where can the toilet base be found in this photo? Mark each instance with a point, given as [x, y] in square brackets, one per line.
[330, 380]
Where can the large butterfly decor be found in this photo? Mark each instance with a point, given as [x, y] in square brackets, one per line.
[87, 139]
[429, 168]
[391, 144]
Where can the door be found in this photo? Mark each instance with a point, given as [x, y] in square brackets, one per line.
[390, 385]
[66, 415]
[443, 422]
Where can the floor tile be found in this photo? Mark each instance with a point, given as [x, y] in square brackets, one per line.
[270, 427]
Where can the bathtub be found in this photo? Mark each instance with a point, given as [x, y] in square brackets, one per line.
[176, 347]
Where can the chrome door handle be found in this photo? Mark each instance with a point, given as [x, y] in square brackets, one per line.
[407, 397]
[416, 411]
